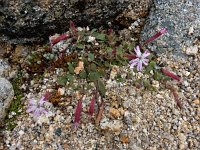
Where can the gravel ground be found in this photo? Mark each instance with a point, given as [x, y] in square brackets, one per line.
[133, 118]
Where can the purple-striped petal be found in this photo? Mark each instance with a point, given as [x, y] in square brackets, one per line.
[134, 60]
[145, 61]
[31, 109]
[41, 101]
[32, 102]
[138, 52]
[145, 54]
[133, 65]
[139, 66]
[36, 113]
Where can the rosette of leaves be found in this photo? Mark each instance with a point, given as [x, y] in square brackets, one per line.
[98, 56]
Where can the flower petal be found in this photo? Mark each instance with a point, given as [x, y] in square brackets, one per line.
[138, 52]
[31, 109]
[163, 30]
[139, 66]
[32, 102]
[133, 65]
[36, 113]
[145, 54]
[41, 101]
[145, 61]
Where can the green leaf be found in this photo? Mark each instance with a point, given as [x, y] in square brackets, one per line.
[146, 84]
[94, 76]
[83, 74]
[70, 68]
[70, 77]
[131, 47]
[89, 87]
[101, 87]
[150, 67]
[62, 80]
[80, 46]
[93, 67]
[101, 72]
[119, 78]
[93, 30]
[90, 57]
[120, 51]
[152, 64]
[157, 76]
[100, 36]
[109, 49]
[107, 64]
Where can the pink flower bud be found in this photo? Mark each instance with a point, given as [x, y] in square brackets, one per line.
[162, 31]
[170, 74]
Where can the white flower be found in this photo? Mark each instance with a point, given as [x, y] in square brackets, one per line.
[90, 39]
[80, 29]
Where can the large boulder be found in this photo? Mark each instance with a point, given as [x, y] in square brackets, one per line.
[27, 21]
[6, 96]
[182, 20]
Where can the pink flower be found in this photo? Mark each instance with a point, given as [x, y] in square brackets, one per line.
[37, 108]
[140, 59]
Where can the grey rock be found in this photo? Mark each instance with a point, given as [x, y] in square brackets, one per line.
[4, 68]
[26, 21]
[178, 17]
[6, 96]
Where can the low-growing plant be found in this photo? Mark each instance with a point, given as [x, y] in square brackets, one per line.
[89, 55]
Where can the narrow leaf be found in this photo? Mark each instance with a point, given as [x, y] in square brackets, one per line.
[100, 113]
[170, 74]
[176, 98]
[130, 56]
[175, 94]
[101, 87]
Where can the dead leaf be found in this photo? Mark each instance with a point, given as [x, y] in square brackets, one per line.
[79, 68]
